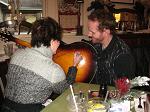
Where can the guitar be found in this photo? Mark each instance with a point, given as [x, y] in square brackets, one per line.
[64, 57]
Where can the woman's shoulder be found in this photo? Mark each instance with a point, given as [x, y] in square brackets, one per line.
[58, 73]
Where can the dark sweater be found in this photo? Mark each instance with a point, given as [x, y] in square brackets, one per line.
[114, 62]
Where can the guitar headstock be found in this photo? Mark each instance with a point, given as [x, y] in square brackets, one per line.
[6, 36]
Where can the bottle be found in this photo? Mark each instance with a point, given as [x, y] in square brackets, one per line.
[123, 26]
[103, 90]
[89, 94]
[132, 105]
[135, 26]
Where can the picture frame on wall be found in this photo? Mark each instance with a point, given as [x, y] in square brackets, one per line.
[123, 1]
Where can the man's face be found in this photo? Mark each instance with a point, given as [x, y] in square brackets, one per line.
[94, 33]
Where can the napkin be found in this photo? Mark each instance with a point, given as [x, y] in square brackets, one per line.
[123, 106]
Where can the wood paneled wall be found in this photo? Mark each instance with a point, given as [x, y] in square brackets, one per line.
[50, 8]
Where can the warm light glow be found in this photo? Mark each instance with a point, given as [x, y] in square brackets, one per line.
[9, 7]
[10, 22]
[117, 17]
[82, 62]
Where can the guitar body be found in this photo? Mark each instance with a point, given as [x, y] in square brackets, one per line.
[65, 54]
[86, 68]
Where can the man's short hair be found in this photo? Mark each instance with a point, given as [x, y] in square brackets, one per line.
[104, 17]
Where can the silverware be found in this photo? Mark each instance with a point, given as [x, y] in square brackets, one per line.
[139, 106]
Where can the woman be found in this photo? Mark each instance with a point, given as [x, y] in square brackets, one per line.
[32, 75]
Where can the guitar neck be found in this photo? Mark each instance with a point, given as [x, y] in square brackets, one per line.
[8, 37]
[22, 43]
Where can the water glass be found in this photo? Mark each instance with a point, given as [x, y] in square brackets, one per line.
[80, 101]
[8, 48]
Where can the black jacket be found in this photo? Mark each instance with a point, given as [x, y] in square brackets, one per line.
[114, 62]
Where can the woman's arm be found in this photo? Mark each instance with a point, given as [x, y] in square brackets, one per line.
[71, 75]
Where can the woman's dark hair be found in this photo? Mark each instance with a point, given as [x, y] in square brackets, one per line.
[105, 19]
[44, 30]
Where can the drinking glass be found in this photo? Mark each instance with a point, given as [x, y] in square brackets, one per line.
[80, 101]
[8, 48]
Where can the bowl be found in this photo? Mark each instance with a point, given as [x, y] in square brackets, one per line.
[96, 105]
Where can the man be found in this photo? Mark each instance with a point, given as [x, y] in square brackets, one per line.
[114, 58]
[33, 75]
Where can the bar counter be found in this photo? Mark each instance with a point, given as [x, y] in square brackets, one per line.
[135, 39]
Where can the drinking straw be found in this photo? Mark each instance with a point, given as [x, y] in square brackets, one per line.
[74, 98]
[106, 96]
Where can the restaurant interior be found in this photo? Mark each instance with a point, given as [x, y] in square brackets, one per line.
[133, 27]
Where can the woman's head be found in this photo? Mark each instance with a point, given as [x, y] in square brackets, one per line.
[44, 31]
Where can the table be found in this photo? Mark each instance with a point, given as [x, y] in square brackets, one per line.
[60, 103]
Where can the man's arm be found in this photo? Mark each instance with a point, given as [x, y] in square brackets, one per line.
[125, 66]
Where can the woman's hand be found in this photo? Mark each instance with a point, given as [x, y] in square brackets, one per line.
[77, 58]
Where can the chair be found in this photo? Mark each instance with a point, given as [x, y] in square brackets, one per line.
[3, 69]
